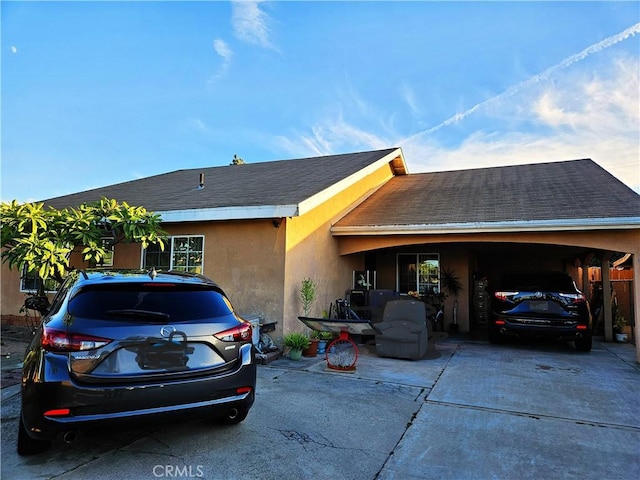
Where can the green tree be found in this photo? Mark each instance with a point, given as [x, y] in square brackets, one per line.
[43, 239]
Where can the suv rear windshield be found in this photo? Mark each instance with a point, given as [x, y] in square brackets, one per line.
[537, 281]
[155, 302]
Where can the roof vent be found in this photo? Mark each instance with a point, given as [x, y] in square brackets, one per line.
[201, 181]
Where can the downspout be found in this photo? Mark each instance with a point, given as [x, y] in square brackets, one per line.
[635, 263]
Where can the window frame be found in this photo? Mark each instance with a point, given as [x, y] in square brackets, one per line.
[170, 245]
[108, 260]
[24, 275]
[424, 275]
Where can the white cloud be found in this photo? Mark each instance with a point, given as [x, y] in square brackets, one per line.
[197, 125]
[586, 106]
[14, 49]
[550, 72]
[578, 115]
[250, 23]
[329, 136]
[409, 97]
[222, 48]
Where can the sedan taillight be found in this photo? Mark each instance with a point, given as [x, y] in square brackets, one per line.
[241, 333]
[61, 341]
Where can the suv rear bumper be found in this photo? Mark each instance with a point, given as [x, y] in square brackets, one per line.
[505, 327]
[91, 405]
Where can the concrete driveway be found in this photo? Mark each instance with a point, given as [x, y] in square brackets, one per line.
[469, 411]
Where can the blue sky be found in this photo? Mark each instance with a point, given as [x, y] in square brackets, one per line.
[96, 93]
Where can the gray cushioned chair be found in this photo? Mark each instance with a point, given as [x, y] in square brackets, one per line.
[403, 330]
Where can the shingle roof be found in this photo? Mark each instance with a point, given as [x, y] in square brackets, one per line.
[282, 182]
[535, 193]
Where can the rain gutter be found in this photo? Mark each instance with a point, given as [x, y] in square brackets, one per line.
[618, 223]
[228, 213]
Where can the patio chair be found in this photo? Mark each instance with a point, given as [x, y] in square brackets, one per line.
[403, 330]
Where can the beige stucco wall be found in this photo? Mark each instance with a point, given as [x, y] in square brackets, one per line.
[246, 258]
[609, 240]
[125, 256]
[312, 252]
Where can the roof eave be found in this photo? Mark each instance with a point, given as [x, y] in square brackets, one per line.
[623, 223]
[395, 159]
[228, 213]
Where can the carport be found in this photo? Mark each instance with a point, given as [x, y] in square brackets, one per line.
[481, 222]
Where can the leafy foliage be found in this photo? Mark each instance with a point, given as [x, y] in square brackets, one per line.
[43, 238]
[296, 340]
[451, 282]
[308, 295]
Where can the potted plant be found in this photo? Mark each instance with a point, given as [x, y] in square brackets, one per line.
[323, 339]
[619, 324]
[452, 283]
[308, 295]
[296, 342]
[312, 349]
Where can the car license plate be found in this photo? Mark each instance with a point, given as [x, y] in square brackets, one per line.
[539, 306]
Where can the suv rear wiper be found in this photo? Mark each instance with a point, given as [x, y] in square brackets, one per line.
[132, 312]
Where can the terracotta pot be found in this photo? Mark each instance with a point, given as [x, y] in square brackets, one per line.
[311, 350]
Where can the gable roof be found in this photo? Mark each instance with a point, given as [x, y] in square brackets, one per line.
[275, 189]
[575, 194]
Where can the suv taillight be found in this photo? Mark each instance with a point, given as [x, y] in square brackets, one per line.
[504, 296]
[61, 341]
[241, 333]
[574, 297]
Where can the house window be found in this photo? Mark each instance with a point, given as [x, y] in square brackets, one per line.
[183, 253]
[30, 282]
[418, 273]
[107, 260]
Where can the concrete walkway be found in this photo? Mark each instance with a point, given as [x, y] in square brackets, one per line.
[470, 411]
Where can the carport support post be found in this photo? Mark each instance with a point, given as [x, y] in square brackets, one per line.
[635, 262]
[586, 261]
[606, 297]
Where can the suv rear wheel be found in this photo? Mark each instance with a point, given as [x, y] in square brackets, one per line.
[28, 445]
[494, 336]
[585, 343]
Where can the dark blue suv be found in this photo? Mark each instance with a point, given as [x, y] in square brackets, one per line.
[119, 346]
[540, 304]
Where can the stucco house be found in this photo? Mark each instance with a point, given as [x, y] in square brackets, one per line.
[259, 229]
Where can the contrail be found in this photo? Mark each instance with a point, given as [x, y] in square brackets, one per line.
[601, 45]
